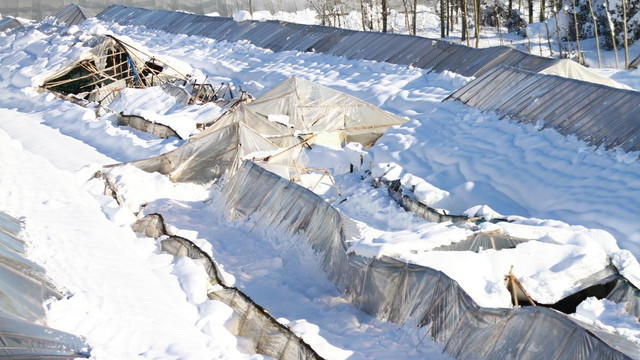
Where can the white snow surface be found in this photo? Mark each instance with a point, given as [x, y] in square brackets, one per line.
[578, 205]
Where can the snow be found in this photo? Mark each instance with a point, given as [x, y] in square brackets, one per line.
[609, 316]
[577, 205]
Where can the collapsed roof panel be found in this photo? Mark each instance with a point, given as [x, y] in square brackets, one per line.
[599, 115]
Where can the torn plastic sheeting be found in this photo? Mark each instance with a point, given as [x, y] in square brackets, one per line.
[253, 321]
[611, 121]
[399, 292]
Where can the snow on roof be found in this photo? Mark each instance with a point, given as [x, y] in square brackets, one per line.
[600, 115]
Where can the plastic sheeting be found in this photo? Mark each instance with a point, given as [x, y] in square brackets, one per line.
[251, 321]
[216, 151]
[599, 115]
[298, 108]
[21, 339]
[400, 292]
[24, 286]
[23, 289]
[72, 15]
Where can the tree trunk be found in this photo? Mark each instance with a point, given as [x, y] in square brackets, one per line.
[407, 24]
[510, 8]
[555, 11]
[575, 20]
[542, 9]
[530, 11]
[251, 8]
[548, 39]
[613, 31]
[384, 16]
[476, 20]
[626, 40]
[465, 28]
[451, 8]
[364, 27]
[415, 16]
[595, 29]
[447, 18]
[499, 27]
[442, 15]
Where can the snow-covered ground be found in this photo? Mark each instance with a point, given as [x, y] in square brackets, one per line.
[580, 205]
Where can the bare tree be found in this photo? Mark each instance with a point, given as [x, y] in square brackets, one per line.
[364, 27]
[415, 16]
[556, 12]
[542, 10]
[476, 20]
[442, 20]
[626, 40]
[385, 14]
[575, 21]
[595, 29]
[613, 31]
[530, 11]
[465, 24]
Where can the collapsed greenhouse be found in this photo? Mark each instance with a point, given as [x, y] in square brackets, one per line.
[260, 147]
[273, 131]
[110, 66]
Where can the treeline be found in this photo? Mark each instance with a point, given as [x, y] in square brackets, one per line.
[614, 24]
